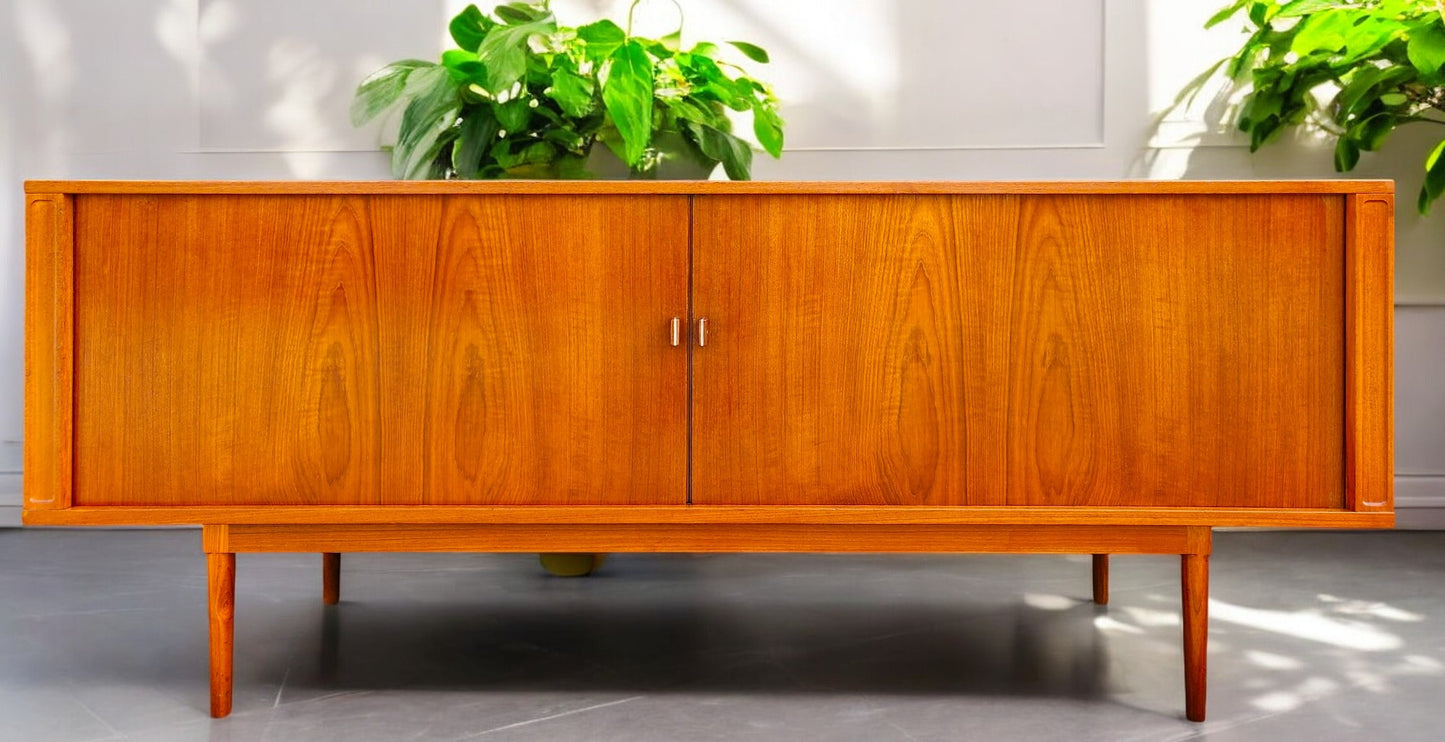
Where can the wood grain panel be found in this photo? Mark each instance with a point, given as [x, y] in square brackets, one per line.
[1370, 342]
[849, 335]
[227, 351]
[1177, 351]
[49, 349]
[1108, 350]
[398, 350]
[550, 378]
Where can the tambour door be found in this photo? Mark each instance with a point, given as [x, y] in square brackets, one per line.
[408, 349]
[1091, 349]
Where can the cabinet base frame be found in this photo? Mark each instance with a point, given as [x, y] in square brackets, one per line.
[1193, 543]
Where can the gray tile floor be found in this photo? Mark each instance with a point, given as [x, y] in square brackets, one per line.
[1314, 636]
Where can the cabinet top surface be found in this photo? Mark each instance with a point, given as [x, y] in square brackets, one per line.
[720, 188]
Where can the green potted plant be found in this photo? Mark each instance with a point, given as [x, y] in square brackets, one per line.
[525, 97]
[1358, 69]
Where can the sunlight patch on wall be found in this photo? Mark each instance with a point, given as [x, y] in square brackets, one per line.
[852, 74]
[47, 47]
[268, 86]
[47, 44]
[302, 77]
[177, 29]
[1180, 49]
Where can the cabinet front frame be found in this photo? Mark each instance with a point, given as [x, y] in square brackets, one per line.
[1368, 444]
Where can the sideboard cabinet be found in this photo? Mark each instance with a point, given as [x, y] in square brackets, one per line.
[1091, 368]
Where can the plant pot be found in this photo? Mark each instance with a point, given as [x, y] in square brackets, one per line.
[676, 159]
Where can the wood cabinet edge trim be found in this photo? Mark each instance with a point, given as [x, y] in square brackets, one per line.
[49, 345]
[388, 187]
[705, 538]
[1369, 352]
[742, 514]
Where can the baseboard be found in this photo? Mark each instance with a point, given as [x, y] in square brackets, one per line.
[10, 498]
[1420, 502]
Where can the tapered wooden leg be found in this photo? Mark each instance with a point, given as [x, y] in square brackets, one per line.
[330, 578]
[1195, 589]
[221, 571]
[1101, 579]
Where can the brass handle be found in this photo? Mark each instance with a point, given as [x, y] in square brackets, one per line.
[702, 332]
[676, 332]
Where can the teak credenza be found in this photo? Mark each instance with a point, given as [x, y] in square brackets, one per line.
[1092, 368]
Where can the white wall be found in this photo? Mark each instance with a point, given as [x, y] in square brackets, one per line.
[873, 89]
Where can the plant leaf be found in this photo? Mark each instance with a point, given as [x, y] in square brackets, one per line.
[688, 109]
[734, 153]
[1434, 184]
[1304, 7]
[426, 124]
[1366, 86]
[1434, 156]
[627, 93]
[1346, 155]
[1367, 38]
[382, 89]
[752, 51]
[465, 67]
[602, 38]
[518, 14]
[474, 138]
[1426, 49]
[513, 115]
[1370, 133]
[469, 27]
[717, 84]
[573, 92]
[1260, 11]
[768, 128]
[504, 52]
[657, 49]
[1225, 14]
[1322, 32]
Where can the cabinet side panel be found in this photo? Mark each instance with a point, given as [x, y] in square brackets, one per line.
[848, 336]
[1177, 351]
[548, 375]
[226, 351]
[48, 350]
[1370, 372]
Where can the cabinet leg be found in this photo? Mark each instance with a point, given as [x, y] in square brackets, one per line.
[1195, 590]
[330, 578]
[1101, 579]
[221, 574]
